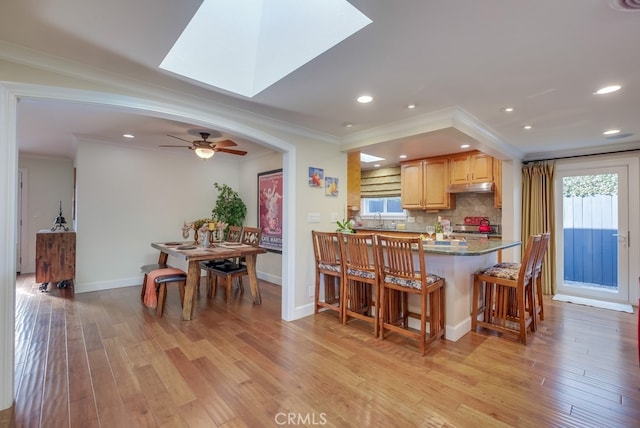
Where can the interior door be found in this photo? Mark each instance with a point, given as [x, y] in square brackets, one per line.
[593, 232]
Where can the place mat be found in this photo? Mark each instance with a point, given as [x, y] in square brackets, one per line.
[233, 245]
[186, 247]
[170, 244]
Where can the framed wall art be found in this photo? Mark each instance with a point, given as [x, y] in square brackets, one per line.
[316, 177]
[331, 186]
[270, 209]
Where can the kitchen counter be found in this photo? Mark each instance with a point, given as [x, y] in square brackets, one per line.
[368, 229]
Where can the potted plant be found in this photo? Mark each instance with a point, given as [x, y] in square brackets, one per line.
[229, 208]
[345, 226]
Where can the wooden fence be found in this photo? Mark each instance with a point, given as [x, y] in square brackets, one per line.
[590, 247]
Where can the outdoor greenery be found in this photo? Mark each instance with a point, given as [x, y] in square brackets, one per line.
[590, 185]
[229, 206]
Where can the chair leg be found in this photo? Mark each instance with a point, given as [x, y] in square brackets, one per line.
[540, 307]
[229, 283]
[162, 297]
[475, 303]
[423, 323]
[144, 288]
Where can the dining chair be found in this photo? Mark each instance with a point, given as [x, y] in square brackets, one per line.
[361, 285]
[539, 258]
[231, 270]
[234, 233]
[403, 272]
[161, 275]
[503, 297]
[326, 250]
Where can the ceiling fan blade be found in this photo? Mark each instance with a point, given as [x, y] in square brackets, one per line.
[165, 145]
[224, 143]
[178, 138]
[232, 151]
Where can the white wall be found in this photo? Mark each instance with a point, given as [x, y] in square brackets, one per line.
[48, 181]
[128, 198]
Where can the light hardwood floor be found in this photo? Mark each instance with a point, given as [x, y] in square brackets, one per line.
[101, 360]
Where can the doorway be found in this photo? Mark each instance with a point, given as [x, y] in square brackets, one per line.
[593, 233]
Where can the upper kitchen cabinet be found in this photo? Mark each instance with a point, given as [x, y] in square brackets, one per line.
[424, 184]
[471, 167]
[412, 185]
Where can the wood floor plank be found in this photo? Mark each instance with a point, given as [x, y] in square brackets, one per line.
[102, 359]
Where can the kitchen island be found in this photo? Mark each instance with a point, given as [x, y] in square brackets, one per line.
[457, 264]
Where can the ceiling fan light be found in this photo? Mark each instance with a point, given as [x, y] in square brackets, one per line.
[204, 152]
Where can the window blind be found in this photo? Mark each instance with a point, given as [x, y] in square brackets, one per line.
[380, 182]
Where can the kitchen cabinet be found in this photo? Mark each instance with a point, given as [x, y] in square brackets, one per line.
[55, 256]
[412, 185]
[471, 167]
[424, 184]
[497, 179]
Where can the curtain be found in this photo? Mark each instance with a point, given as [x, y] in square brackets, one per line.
[538, 213]
[380, 183]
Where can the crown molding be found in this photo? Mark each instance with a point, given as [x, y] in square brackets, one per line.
[230, 118]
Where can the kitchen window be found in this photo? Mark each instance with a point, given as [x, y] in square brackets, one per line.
[387, 207]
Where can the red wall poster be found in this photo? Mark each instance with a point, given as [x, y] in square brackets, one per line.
[270, 209]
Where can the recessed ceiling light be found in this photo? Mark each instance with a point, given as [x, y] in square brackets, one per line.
[508, 109]
[611, 132]
[607, 89]
[377, 165]
[369, 158]
[465, 146]
[527, 127]
[347, 124]
[363, 99]
[410, 106]
[128, 136]
[403, 156]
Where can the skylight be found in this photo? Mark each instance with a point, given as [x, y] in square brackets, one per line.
[369, 158]
[245, 46]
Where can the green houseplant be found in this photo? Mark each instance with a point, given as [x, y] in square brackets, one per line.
[345, 226]
[229, 206]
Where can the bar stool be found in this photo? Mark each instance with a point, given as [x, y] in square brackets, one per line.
[326, 250]
[537, 274]
[508, 304]
[162, 275]
[403, 270]
[361, 286]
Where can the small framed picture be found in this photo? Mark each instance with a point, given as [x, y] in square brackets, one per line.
[316, 177]
[331, 186]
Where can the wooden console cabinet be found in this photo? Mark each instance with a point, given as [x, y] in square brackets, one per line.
[55, 256]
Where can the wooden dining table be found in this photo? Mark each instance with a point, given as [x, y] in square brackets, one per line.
[219, 251]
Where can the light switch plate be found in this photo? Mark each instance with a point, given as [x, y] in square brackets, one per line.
[334, 217]
[313, 218]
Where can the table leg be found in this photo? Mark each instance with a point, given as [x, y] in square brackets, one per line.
[193, 278]
[162, 259]
[253, 278]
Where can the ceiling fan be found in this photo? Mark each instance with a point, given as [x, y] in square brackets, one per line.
[206, 149]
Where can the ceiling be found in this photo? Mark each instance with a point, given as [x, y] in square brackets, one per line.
[544, 58]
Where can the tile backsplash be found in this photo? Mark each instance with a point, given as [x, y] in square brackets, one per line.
[467, 205]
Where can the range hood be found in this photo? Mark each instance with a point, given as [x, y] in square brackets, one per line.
[471, 188]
